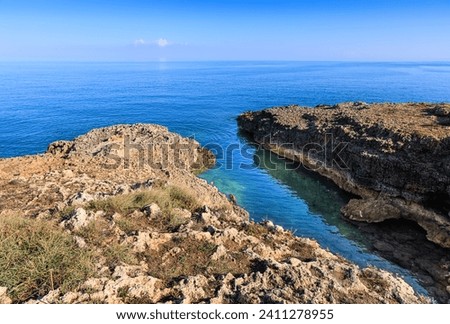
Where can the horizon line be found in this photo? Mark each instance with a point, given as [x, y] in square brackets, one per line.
[217, 60]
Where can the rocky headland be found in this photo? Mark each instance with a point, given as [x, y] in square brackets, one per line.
[394, 158]
[119, 216]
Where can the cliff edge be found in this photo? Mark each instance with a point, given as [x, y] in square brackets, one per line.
[118, 216]
[394, 157]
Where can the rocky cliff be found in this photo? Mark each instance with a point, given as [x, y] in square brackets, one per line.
[118, 216]
[394, 157]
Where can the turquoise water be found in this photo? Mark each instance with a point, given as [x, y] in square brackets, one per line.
[44, 102]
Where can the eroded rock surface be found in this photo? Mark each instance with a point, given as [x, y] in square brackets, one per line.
[159, 234]
[395, 157]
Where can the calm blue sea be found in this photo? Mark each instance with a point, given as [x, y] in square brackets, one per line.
[44, 102]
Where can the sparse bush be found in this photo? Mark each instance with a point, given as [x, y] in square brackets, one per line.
[194, 259]
[176, 221]
[131, 225]
[116, 254]
[97, 232]
[181, 199]
[237, 263]
[167, 198]
[66, 212]
[36, 256]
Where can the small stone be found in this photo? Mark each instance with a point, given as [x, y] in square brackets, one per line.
[44, 215]
[175, 250]
[126, 271]
[295, 262]
[4, 299]
[221, 251]
[143, 241]
[211, 229]
[80, 242]
[52, 297]
[70, 297]
[122, 190]
[78, 219]
[152, 210]
[231, 233]
[98, 296]
[278, 228]
[99, 213]
[93, 284]
[205, 218]
[268, 224]
[116, 216]
[67, 174]
[136, 214]
[60, 148]
[192, 289]
[201, 236]
[80, 198]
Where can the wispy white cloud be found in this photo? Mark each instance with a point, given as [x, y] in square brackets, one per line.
[162, 42]
[139, 42]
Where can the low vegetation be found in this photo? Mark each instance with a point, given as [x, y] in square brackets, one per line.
[192, 259]
[100, 235]
[167, 198]
[37, 256]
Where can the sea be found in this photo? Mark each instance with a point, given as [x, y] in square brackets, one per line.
[41, 102]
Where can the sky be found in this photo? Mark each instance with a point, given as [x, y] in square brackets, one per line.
[198, 30]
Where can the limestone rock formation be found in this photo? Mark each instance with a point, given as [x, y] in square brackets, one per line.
[394, 157]
[138, 226]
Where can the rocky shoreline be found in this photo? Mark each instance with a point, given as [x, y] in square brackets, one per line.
[118, 216]
[394, 158]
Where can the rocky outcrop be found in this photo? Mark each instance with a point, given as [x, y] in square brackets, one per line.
[394, 157]
[102, 163]
[128, 197]
[4, 299]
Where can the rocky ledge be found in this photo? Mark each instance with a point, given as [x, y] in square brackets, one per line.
[394, 157]
[119, 216]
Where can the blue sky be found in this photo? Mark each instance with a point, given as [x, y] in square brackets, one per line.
[134, 30]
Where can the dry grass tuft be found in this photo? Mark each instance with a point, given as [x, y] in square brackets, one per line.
[167, 198]
[100, 234]
[193, 259]
[36, 256]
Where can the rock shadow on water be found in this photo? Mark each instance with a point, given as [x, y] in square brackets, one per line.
[405, 243]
